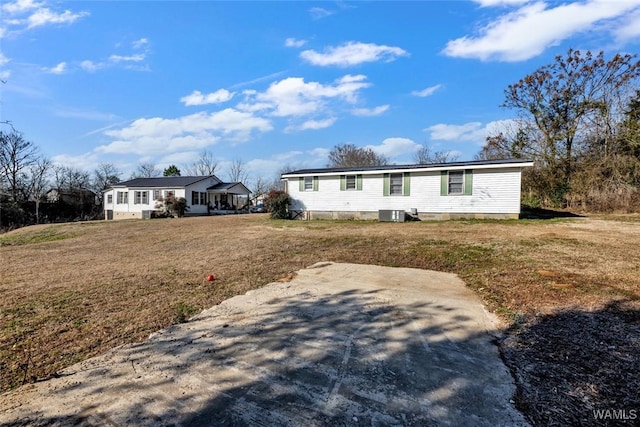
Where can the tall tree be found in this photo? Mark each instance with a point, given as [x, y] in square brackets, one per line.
[348, 155]
[146, 170]
[104, 176]
[238, 171]
[38, 182]
[205, 165]
[562, 97]
[16, 156]
[171, 171]
[425, 155]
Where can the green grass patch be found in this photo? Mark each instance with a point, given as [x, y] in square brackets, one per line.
[49, 234]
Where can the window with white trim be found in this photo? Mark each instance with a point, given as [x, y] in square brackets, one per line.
[140, 197]
[109, 198]
[123, 197]
[308, 183]
[455, 183]
[156, 194]
[350, 182]
[395, 184]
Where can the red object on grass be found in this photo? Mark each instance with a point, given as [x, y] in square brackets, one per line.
[211, 278]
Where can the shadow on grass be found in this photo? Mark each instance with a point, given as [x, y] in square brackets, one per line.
[539, 213]
[573, 364]
[350, 358]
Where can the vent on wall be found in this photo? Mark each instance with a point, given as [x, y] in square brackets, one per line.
[390, 216]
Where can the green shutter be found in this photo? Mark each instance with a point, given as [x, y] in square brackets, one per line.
[358, 182]
[343, 182]
[301, 183]
[315, 183]
[468, 182]
[444, 183]
[406, 185]
[386, 184]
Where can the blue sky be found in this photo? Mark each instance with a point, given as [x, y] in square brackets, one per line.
[279, 83]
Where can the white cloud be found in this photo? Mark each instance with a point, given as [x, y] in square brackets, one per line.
[198, 98]
[140, 43]
[629, 27]
[159, 135]
[312, 125]
[291, 42]
[394, 147]
[3, 60]
[138, 57]
[427, 91]
[46, 16]
[87, 161]
[91, 66]
[319, 13]
[370, 112]
[5, 74]
[353, 53]
[20, 6]
[295, 97]
[526, 32]
[3, 32]
[469, 132]
[58, 69]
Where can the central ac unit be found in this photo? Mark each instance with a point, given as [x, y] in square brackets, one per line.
[390, 216]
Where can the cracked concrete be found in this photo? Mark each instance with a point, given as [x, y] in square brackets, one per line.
[340, 344]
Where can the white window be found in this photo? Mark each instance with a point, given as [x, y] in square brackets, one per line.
[350, 182]
[395, 184]
[156, 194]
[456, 182]
[308, 183]
[198, 198]
[110, 198]
[123, 197]
[141, 198]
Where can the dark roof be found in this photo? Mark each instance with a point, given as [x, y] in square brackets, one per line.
[164, 181]
[223, 185]
[412, 166]
[226, 186]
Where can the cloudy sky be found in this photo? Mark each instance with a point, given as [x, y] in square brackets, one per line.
[279, 83]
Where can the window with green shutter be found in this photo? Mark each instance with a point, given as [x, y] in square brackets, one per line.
[350, 182]
[396, 184]
[456, 183]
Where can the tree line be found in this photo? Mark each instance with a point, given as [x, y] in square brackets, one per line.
[579, 120]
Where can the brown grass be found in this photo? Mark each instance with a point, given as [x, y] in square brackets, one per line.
[75, 290]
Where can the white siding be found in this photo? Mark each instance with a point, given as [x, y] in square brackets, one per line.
[494, 191]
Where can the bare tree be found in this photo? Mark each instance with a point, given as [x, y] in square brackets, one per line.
[39, 182]
[16, 156]
[205, 165]
[238, 171]
[104, 176]
[146, 170]
[425, 156]
[348, 155]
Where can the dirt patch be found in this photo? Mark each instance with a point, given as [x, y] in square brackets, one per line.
[76, 290]
[572, 366]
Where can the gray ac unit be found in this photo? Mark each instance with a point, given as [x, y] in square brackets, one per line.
[146, 214]
[390, 216]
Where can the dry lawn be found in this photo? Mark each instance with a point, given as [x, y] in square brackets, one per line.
[71, 291]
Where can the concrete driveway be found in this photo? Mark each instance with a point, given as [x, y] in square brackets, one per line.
[339, 345]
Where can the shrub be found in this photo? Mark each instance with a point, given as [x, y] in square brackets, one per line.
[176, 206]
[277, 203]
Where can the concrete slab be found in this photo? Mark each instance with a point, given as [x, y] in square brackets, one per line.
[341, 344]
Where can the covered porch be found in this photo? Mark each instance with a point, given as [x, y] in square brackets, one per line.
[228, 197]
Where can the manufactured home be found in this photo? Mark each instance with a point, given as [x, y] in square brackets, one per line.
[474, 189]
